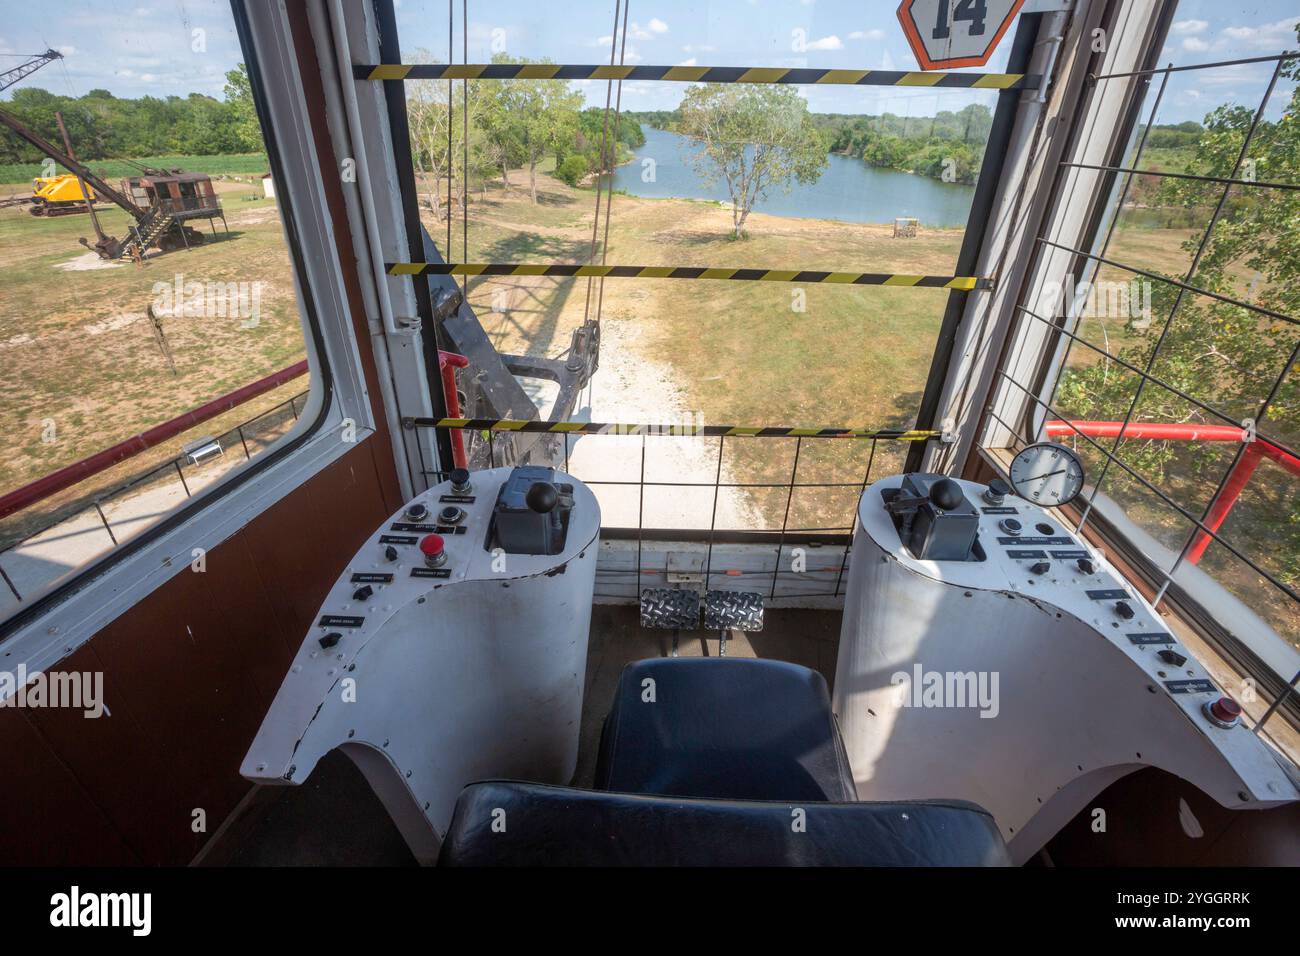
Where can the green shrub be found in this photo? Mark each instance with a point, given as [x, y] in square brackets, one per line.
[572, 169]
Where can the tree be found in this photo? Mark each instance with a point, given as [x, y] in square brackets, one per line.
[526, 120]
[754, 139]
[243, 116]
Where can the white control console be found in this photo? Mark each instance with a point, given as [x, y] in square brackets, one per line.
[1026, 678]
[445, 653]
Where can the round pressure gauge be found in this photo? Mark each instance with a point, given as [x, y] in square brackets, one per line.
[1047, 474]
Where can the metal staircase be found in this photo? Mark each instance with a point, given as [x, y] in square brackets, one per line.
[145, 233]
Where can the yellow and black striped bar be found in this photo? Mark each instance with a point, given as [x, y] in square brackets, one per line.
[692, 74]
[804, 276]
[625, 428]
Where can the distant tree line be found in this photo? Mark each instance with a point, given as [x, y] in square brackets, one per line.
[104, 126]
[948, 146]
[497, 126]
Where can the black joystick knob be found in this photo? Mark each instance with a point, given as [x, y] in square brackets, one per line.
[542, 497]
[946, 494]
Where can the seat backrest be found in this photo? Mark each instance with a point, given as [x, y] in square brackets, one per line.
[723, 728]
[508, 823]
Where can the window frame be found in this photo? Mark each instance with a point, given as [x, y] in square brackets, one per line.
[58, 622]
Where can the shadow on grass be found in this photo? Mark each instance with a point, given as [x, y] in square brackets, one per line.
[544, 298]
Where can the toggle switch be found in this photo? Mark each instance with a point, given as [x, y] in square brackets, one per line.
[1086, 566]
[1173, 658]
[363, 593]
[1124, 610]
[330, 639]
[1040, 567]
[390, 553]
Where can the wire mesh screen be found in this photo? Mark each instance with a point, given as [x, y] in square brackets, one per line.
[1186, 316]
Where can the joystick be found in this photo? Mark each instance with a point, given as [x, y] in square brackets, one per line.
[946, 495]
[542, 497]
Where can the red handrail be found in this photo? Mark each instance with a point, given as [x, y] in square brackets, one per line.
[66, 477]
[1256, 449]
[1156, 431]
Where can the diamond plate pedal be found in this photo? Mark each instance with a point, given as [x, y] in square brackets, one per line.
[670, 608]
[734, 610]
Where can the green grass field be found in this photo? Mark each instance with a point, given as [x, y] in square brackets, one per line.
[79, 358]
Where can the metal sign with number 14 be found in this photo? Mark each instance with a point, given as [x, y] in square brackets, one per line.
[950, 33]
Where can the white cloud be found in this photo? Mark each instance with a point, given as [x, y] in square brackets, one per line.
[699, 48]
[1185, 27]
[1195, 45]
[867, 35]
[1267, 35]
[655, 27]
[831, 42]
[66, 50]
[691, 62]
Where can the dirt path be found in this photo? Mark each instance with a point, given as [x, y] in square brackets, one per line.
[633, 384]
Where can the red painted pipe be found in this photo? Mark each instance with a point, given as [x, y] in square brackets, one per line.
[1237, 479]
[448, 362]
[68, 476]
[1150, 430]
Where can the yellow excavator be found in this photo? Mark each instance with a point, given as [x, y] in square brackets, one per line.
[60, 195]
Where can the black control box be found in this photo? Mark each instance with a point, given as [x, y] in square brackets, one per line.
[934, 519]
[531, 513]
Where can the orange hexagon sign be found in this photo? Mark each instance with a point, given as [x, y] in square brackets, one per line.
[945, 34]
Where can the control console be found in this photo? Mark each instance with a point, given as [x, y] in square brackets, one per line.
[988, 653]
[452, 648]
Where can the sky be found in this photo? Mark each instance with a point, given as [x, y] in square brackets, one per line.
[152, 48]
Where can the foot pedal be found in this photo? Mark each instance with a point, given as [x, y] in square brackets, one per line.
[733, 610]
[670, 608]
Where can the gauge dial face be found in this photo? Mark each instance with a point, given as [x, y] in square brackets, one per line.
[1047, 474]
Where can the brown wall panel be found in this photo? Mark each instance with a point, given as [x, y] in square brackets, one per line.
[1156, 819]
[188, 675]
[46, 815]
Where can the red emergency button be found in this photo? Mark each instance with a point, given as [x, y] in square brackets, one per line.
[432, 546]
[1225, 708]
[1225, 712]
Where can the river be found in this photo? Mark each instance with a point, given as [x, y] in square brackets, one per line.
[848, 189]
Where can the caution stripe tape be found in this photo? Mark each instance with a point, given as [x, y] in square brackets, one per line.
[691, 74]
[625, 428]
[683, 272]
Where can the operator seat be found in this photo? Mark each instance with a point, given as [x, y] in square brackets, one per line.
[726, 728]
[715, 762]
